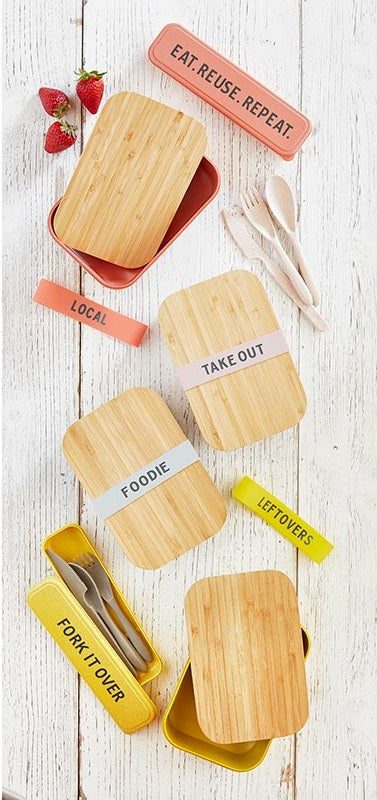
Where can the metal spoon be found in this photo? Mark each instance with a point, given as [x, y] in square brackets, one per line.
[282, 203]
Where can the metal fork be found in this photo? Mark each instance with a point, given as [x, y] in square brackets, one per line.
[258, 214]
[94, 567]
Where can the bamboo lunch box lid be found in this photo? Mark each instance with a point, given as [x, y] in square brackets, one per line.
[132, 175]
[232, 360]
[247, 658]
[144, 477]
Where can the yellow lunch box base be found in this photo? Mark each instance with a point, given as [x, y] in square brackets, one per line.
[181, 728]
[66, 620]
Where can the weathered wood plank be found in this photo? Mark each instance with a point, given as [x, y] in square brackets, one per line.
[335, 751]
[40, 396]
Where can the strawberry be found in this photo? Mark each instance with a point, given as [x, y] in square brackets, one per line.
[90, 88]
[59, 136]
[54, 101]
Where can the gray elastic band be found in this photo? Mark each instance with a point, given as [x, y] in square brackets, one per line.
[145, 479]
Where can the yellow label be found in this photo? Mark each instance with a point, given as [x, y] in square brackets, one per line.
[91, 655]
[283, 519]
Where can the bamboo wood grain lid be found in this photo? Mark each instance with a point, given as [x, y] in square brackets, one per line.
[145, 478]
[232, 360]
[247, 657]
[132, 175]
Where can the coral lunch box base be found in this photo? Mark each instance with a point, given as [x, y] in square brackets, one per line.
[202, 189]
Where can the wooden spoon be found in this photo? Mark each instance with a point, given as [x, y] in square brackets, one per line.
[282, 203]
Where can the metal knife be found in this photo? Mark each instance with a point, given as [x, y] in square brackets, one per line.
[78, 589]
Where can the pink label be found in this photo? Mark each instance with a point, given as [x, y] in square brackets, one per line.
[240, 356]
[230, 90]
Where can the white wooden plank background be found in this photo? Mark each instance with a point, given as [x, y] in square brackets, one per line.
[58, 742]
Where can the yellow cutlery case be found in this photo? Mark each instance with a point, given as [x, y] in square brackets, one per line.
[123, 696]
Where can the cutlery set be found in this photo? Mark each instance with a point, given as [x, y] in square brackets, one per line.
[90, 585]
[295, 280]
[85, 612]
[94, 568]
[257, 213]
